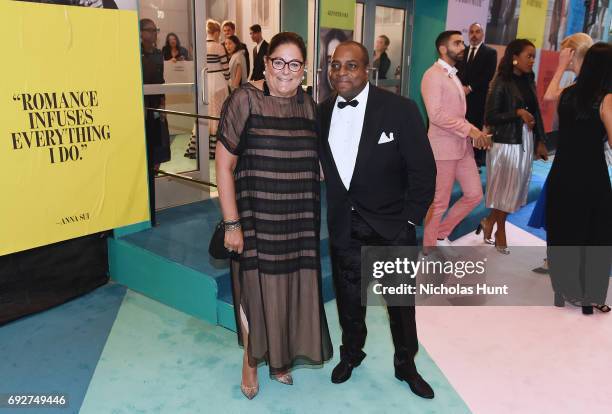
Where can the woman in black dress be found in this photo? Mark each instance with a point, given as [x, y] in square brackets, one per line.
[268, 177]
[579, 206]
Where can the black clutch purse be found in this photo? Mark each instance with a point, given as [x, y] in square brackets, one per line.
[216, 248]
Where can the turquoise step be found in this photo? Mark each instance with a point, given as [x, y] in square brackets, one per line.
[170, 263]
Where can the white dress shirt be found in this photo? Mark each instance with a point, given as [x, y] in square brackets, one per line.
[452, 73]
[345, 134]
[258, 46]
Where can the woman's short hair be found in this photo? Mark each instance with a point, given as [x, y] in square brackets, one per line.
[284, 38]
[212, 26]
[580, 42]
[386, 39]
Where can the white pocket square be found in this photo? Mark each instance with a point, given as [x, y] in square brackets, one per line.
[384, 138]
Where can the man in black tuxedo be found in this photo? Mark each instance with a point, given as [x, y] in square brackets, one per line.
[476, 71]
[259, 52]
[380, 174]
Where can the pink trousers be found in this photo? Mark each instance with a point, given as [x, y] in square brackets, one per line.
[465, 172]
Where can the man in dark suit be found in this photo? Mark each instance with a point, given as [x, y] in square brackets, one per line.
[259, 52]
[475, 72]
[380, 174]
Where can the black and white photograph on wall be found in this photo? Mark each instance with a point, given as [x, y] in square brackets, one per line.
[330, 39]
[556, 24]
[596, 17]
[503, 21]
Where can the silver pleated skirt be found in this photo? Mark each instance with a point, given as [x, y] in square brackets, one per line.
[509, 173]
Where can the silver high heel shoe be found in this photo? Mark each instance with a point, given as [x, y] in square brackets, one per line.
[249, 392]
[502, 249]
[481, 227]
[286, 378]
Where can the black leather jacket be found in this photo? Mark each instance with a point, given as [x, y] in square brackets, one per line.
[503, 100]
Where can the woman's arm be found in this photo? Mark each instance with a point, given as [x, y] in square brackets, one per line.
[553, 92]
[236, 77]
[225, 164]
[605, 111]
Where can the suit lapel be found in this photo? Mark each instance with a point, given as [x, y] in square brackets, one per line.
[371, 126]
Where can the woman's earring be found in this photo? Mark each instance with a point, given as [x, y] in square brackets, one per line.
[515, 62]
[264, 72]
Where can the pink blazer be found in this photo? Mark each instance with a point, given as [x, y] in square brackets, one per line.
[446, 107]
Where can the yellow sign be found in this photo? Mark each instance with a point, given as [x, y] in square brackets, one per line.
[532, 19]
[72, 145]
[338, 14]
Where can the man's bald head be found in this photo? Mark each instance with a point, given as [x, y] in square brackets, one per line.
[476, 34]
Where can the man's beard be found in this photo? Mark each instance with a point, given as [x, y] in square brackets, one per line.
[455, 56]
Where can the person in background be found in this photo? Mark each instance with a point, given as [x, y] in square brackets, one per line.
[381, 60]
[156, 128]
[259, 52]
[173, 50]
[573, 49]
[579, 194]
[237, 63]
[512, 114]
[229, 29]
[268, 176]
[476, 70]
[218, 89]
[452, 139]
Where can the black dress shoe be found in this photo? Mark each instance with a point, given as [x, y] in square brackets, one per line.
[416, 383]
[343, 371]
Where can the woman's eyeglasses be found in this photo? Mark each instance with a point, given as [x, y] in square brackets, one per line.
[279, 64]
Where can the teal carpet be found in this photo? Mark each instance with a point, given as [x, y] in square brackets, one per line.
[159, 360]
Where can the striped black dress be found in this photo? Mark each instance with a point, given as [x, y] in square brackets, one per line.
[276, 281]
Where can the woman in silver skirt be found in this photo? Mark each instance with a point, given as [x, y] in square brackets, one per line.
[512, 115]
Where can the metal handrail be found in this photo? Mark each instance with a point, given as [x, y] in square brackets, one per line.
[186, 178]
[188, 114]
[181, 176]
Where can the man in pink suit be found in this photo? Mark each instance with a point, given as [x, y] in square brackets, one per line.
[452, 139]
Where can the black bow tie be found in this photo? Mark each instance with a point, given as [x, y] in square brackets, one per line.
[344, 104]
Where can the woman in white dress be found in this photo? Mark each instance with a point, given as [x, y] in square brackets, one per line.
[217, 78]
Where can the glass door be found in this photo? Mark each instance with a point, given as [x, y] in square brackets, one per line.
[385, 29]
[181, 38]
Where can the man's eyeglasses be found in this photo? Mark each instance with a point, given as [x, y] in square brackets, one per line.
[279, 64]
[151, 30]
